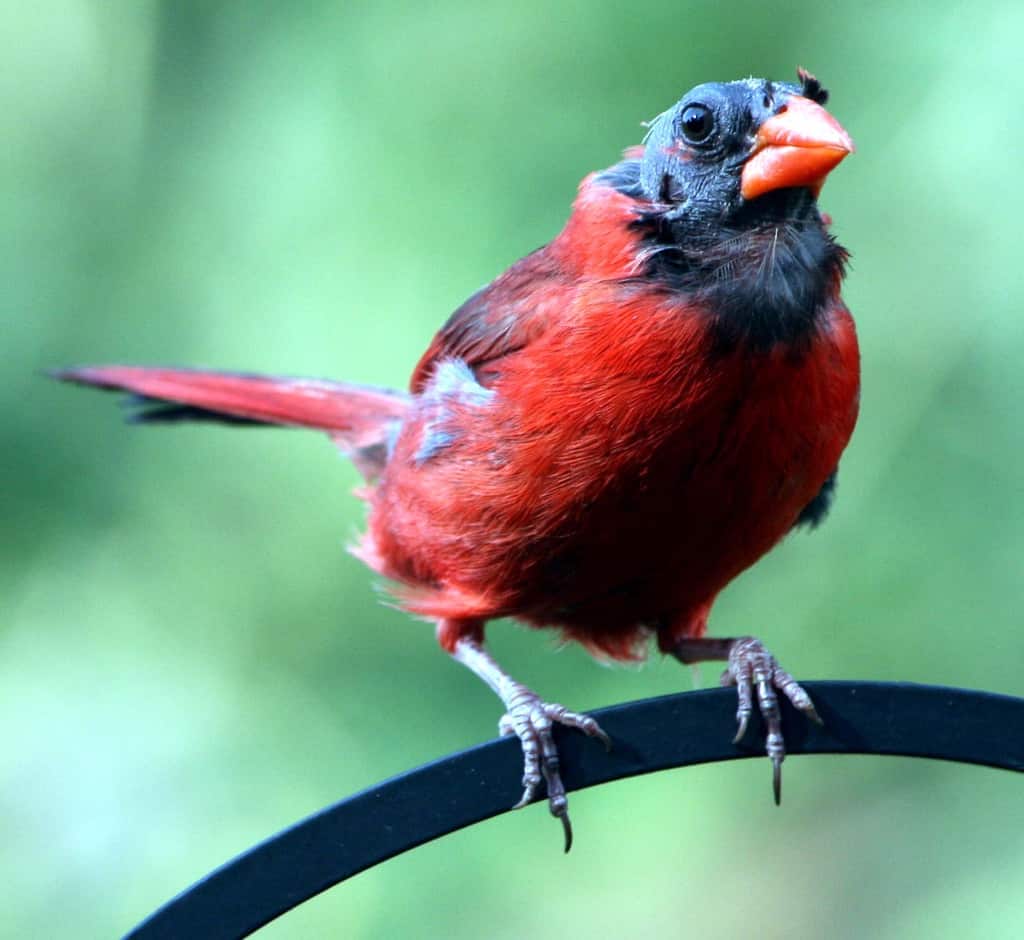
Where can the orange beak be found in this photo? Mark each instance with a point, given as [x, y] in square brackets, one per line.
[799, 146]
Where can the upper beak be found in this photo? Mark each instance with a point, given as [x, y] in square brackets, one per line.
[799, 146]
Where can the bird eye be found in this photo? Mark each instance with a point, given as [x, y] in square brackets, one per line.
[697, 123]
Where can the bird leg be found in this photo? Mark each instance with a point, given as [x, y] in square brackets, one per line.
[530, 719]
[751, 667]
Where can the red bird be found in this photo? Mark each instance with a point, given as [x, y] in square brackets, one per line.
[606, 435]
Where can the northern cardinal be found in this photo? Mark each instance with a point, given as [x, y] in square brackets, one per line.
[606, 435]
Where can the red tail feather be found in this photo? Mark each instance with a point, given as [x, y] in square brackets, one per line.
[357, 417]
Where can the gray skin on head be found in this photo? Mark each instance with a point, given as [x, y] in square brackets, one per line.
[764, 268]
[701, 178]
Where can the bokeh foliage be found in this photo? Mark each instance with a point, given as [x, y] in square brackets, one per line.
[188, 658]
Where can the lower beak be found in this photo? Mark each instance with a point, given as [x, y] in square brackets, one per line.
[799, 146]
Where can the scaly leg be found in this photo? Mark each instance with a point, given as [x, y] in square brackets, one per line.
[751, 666]
[530, 719]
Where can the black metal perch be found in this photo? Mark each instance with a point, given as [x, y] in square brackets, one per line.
[655, 734]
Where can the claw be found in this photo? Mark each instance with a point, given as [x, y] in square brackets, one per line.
[526, 799]
[583, 723]
[567, 829]
[531, 720]
[808, 709]
[740, 677]
[607, 741]
[752, 667]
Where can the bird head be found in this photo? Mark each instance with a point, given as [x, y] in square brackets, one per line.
[725, 145]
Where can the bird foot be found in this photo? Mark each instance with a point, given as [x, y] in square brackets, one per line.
[531, 720]
[751, 667]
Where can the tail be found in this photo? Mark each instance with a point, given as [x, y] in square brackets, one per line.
[361, 419]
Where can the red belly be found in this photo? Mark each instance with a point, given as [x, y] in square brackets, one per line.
[624, 502]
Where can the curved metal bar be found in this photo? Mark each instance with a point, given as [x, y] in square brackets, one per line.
[655, 734]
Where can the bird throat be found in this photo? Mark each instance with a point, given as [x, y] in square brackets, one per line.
[765, 274]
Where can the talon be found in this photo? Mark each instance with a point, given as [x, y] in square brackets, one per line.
[598, 732]
[525, 800]
[531, 721]
[751, 665]
[531, 780]
[754, 671]
[584, 723]
[744, 705]
[811, 712]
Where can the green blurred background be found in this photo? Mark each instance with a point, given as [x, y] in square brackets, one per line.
[189, 660]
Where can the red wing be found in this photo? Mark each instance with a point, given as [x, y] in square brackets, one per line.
[498, 319]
